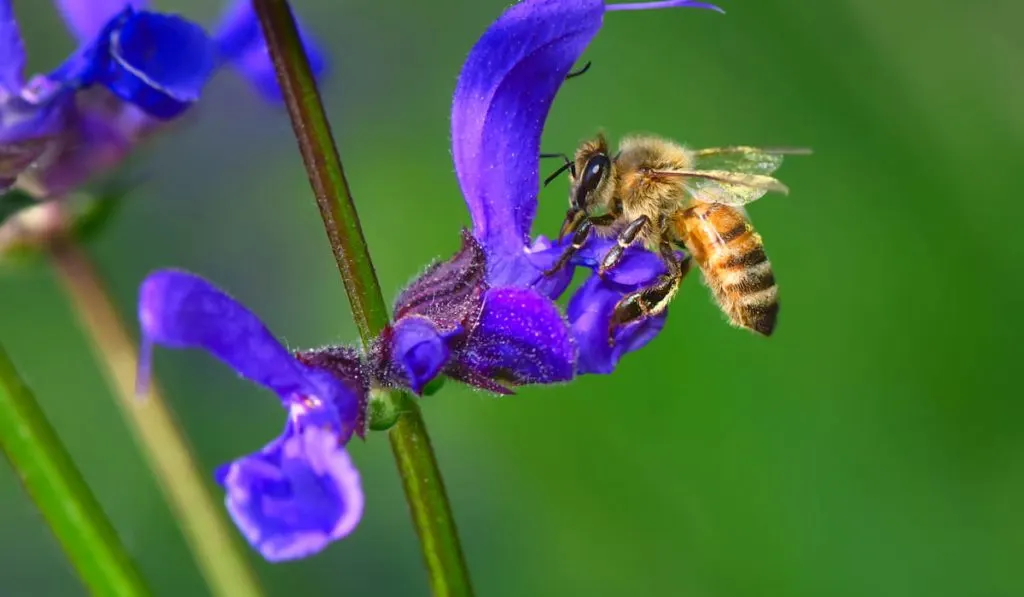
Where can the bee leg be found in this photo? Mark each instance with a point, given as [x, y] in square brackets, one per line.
[625, 238]
[650, 300]
[574, 219]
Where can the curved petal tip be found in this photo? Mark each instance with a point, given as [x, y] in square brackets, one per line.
[158, 62]
[296, 496]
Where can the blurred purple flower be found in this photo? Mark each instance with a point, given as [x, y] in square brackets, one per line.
[301, 491]
[134, 70]
[508, 328]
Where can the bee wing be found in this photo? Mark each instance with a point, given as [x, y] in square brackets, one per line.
[725, 187]
[745, 159]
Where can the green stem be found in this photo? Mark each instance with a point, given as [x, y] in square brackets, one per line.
[410, 443]
[215, 545]
[50, 477]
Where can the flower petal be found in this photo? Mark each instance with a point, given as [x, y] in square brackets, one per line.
[158, 62]
[12, 51]
[240, 41]
[542, 256]
[182, 310]
[590, 313]
[501, 101]
[87, 18]
[418, 351]
[296, 495]
[521, 338]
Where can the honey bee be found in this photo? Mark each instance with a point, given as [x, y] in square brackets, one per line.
[666, 196]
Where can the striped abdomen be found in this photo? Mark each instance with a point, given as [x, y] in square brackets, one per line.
[731, 257]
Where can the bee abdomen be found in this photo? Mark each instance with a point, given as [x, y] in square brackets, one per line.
[761, 317]
[749, 288]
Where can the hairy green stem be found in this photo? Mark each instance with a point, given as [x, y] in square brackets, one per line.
[58, 489]
[215, 545]
[410, 443]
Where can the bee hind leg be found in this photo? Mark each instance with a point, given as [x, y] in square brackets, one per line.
[649, 300]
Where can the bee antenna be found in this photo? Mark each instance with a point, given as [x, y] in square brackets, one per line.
[568, 165]
[579, 72]
[556, 173]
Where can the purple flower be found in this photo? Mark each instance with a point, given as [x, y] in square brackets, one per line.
[134, 70]
[301, 491]
[452, 320]
[513, 331]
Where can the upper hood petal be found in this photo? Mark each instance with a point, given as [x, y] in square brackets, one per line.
[501, 101]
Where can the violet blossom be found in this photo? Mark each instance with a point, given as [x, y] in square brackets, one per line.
[133, 71]
[486, 316]
[300, 492]
[515, 332]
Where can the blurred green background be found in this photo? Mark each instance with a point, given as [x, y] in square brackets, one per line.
[874, 446]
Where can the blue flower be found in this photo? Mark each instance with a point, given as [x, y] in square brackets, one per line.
[133, 71]
[514, 332]
[301, 491]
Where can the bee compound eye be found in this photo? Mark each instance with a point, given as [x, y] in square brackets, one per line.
[594, 172]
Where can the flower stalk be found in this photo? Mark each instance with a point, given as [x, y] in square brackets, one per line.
[50, 477]
[213, 542]
[410, 443]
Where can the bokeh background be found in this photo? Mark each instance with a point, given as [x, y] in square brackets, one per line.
[873, 447]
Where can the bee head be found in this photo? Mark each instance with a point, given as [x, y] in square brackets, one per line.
[592, 185]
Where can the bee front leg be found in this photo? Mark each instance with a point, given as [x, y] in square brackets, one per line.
[582, 225]
[625, 238]
[650, 300]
